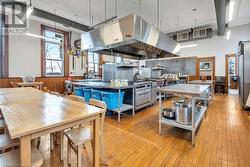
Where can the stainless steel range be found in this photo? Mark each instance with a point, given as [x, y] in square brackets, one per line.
[143, 94]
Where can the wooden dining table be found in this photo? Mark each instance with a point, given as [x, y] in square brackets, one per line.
[30, 113]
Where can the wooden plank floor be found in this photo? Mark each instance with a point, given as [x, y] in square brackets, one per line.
[223, 140]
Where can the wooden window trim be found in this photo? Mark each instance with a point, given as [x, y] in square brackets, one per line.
[199, 59]
[227, 69]
[66, 48]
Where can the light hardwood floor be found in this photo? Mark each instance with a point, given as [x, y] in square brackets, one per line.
[223, 140]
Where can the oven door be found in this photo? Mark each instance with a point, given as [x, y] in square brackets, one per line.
[143, 96]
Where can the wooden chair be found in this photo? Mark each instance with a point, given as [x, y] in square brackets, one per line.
[75, 98]
[13, 84]
[55, 93]
[12, 158]
[6, 143]
[45, 89]
[79, 136]
[56, 135]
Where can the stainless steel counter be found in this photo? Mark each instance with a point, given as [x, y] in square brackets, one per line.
[207, 82]
[248, 101]
[184, 89]
[200, 82]
[104, 85]
[87, 80]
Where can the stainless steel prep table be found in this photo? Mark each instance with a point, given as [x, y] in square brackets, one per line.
[207, 82]
[103, 85]
[190, 90]
[248, 101]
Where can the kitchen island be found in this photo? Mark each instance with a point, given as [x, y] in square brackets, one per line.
[105, 85]
[206, 82]
[248, 101]
[193, 91]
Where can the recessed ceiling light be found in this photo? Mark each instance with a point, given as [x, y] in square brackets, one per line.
[189, 46]
[228, 34]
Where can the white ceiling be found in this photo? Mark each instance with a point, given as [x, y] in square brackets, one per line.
[170, 10]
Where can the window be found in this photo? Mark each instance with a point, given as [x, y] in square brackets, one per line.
[54, 53]
[93, 63]
[118, 59]
[55, 60]
[232, 66]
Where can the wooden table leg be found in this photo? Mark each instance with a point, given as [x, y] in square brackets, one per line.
[96, 138]
[61, 145]
[25, 150]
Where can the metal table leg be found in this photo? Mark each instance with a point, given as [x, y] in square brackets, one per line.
[133, 102]
[206, 102]
[160, 111]
[193, 121]
[119, 108]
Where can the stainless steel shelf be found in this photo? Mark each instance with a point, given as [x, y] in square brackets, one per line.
[158, 68]
[198, 118]
[125, 107]
[203, 98]
[126, 66]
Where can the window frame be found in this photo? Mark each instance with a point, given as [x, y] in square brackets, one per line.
[66, 45]
[94, 63]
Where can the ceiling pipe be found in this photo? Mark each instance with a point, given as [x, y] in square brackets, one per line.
[116, 8]
[103, 22]
[140, 14]
[158, 14]
[220, 8]
[90, 14]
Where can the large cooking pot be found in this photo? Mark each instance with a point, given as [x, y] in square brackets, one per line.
[183, 112]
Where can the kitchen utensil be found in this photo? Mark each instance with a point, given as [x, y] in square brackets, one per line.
[168, 113]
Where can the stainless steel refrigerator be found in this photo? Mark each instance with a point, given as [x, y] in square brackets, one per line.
[244, 71]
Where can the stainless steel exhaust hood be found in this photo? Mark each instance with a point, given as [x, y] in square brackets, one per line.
[130, 35]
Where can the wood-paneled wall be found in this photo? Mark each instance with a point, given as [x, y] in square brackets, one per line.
[192, 78]
[5, 82]
[55, 83]
[52, 83]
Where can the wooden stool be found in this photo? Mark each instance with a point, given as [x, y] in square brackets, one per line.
[12, 158]
[79, 136]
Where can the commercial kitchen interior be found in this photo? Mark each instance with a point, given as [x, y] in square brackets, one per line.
[125, 83]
